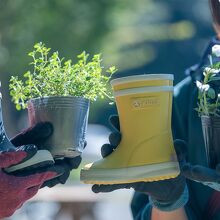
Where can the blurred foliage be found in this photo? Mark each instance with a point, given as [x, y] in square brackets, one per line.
[137, 36]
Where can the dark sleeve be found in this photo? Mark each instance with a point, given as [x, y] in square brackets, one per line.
[181, 104]
[140, 206]
[181, 99]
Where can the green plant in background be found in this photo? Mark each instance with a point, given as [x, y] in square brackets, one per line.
[53, 76]
[209, 88]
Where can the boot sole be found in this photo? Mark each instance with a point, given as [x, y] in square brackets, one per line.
[40, 159]
[146, 173]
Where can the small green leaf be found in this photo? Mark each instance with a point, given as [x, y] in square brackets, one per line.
[211, 93]
[215, 78]
[18, 107]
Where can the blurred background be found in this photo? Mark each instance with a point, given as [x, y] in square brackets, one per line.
[142, 36]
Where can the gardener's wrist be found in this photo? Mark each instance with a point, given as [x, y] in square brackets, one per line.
[179, 214]
[171, 206]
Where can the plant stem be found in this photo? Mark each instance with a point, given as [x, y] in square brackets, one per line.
[205, 104]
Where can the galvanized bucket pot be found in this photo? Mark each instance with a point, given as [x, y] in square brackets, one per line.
[69, 116]
[211, 134]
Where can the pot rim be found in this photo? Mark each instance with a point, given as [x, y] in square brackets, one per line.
[210, 117]
[60, 97]
[210, 121]
[58, 102]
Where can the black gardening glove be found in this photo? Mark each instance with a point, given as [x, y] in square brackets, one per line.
[28, 140]
[37, 135]
[68, 164]
[164, 193]
[204, 175]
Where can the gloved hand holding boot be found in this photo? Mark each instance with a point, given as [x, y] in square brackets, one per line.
[166, 195]
[146, 151]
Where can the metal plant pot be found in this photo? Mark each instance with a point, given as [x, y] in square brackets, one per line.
[69, 116]
[211, 134]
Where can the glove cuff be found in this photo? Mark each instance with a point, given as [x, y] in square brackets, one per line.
[168, 207]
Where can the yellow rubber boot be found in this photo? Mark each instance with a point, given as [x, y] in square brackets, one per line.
[146, 151]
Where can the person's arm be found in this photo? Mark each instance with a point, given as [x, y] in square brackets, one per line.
[179, 214]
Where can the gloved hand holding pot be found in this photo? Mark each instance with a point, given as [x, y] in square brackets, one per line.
[59, 92]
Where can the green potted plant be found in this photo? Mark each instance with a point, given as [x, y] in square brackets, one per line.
[60, 91]
[209, 107]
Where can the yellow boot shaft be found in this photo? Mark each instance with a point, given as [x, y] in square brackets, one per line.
[145, 129]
